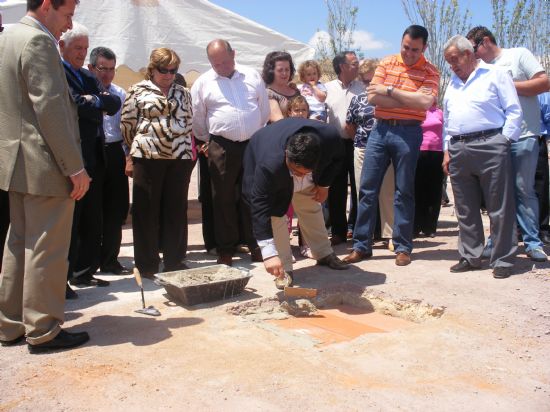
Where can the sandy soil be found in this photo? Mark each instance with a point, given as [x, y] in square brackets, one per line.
[477, 343]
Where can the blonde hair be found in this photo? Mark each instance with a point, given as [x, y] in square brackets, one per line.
[295, 101]
[161, 57]
[368, 66]
[307, 64]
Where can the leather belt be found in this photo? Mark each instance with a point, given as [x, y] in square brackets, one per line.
[113, 143]
[400, 122]
[476, 135]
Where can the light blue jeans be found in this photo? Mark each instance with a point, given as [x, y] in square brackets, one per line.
[525, 154]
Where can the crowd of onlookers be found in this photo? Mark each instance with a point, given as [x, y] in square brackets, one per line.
[270, 146]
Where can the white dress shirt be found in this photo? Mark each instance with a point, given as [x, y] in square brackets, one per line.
[487, 100]
[338, 101]
[111, 124]
[233, 108]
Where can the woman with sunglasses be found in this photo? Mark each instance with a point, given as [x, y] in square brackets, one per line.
[156, 125]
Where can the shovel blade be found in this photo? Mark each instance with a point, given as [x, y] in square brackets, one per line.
[150, 310]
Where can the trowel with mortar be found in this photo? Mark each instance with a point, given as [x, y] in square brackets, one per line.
[149, 310]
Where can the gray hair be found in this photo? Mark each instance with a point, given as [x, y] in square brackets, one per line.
[460, 42]
[78, 30]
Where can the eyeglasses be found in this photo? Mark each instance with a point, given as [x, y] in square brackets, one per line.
[162, 70]
[102, 69]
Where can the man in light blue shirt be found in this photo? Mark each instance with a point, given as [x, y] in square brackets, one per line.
[529, 79]
[482, 116]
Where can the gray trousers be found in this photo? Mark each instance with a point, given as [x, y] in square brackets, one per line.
[483, 167]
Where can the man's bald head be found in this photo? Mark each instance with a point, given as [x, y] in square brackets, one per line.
[221, 57]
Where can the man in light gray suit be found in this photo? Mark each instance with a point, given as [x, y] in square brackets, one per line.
[42, 169]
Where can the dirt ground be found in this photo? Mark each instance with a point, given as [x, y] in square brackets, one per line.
[475, 342]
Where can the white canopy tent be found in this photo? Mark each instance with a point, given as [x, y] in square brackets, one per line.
[132, 28]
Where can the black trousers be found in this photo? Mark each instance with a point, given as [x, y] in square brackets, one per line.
[115, 204]
[338, 195]
[159, 212]
[428, 186]
[231, 214]
[541, 186]
[4, 221]
[85, 248]
[205, 197]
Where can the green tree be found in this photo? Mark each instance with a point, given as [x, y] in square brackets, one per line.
[443, 19]
[525, 23]
[341, 23]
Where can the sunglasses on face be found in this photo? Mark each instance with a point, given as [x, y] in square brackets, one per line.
[162, 70]
[479, 43]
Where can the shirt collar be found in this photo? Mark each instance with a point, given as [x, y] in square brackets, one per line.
[481, 67]
[44, 28]
[236, 73]
[420, 63]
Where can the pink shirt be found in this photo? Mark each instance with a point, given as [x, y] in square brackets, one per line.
[432, 131]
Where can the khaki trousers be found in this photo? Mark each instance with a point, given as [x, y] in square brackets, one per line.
[385, 197]
[312, 226]
[34, 274]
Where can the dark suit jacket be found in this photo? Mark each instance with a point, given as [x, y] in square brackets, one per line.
[267, 184]
[90, 118]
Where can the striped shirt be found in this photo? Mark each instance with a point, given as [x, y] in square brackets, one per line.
[392, 71]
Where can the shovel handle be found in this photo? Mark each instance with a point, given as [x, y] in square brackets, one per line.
[138, 277]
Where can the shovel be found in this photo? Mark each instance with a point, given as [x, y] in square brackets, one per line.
[149, 310]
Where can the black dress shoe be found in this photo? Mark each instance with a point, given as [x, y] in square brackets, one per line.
[13, 342]
[502, 272]
[70, 293]
[336, 240]
[463, 266]
[333, 262]
[88, 280]
[63, 340]
[116, 269]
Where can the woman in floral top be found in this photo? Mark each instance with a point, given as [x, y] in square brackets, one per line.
[359, 123]
[156, 125]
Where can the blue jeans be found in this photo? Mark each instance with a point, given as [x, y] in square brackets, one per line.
[401, 145]
[524, 161]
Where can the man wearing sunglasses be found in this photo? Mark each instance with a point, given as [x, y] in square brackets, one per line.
[530, 80]
[92, 101]
[115, 185]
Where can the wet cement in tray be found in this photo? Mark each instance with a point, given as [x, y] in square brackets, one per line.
[205, 275]
[341, 323]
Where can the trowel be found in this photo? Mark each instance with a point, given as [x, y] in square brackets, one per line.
[284, 281]
[149, 310]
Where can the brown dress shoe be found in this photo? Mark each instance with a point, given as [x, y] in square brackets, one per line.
[402, 259]
[357, 256]
[256, 255]
[333, 262]
[225, 260]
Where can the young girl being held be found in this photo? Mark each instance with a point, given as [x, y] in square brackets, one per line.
[313, 90]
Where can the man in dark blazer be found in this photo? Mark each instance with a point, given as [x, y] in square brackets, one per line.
[92, 101]
[292, 160]
[41, 167]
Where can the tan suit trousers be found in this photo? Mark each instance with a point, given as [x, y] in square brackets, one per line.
[386, 195]
[34, 274]
[312, 226]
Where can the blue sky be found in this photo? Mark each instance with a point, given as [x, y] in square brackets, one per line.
[379, 23]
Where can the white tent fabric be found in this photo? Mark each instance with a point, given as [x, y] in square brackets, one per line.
[12, 10]
[132, 28]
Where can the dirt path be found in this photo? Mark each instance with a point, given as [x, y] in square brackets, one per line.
[476, 343]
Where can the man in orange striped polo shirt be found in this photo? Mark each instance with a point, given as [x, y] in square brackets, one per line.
[404, 86]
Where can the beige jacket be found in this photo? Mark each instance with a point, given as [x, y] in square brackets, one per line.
[39, 138]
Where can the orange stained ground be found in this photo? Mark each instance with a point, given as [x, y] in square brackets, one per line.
[341, 324]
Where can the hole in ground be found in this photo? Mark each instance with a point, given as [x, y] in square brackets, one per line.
[339, 313]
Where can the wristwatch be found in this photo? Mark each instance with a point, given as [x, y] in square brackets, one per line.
[389, 90]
